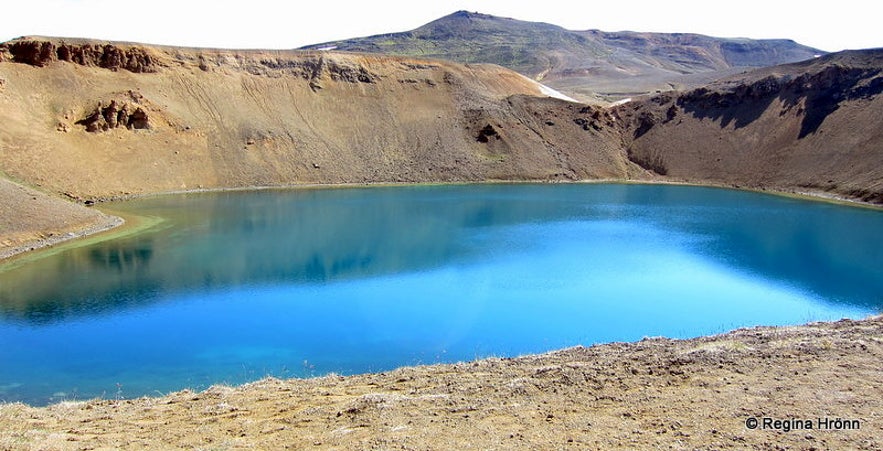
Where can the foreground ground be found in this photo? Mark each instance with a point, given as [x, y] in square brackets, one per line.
[653, 394]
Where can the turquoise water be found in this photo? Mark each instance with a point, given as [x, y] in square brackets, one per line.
[232, 287]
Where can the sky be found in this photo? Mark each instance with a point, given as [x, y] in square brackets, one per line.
[272, 24]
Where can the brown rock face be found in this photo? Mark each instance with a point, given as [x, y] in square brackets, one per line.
[817, 94]
[115, 115]
[34, 53]
[813, 126]
[108, 56]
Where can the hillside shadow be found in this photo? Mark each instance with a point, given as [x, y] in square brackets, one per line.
[815, 97]
[823, 93]
[740, 107]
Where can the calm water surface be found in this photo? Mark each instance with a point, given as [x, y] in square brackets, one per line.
[231, 287]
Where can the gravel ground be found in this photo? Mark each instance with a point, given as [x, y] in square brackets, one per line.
[818, 386]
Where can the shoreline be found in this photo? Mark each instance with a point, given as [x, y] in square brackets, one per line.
[7, 256]
[116, 225]
[648, 394]
[819, 196]
[109, 222]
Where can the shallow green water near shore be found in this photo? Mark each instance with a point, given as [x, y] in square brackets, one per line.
[231, 287]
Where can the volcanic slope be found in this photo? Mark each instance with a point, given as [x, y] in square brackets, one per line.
[165, 119]
[814, 126]
[590, 65]
[90, 120]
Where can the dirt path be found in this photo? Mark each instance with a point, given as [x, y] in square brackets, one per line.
[653, 394]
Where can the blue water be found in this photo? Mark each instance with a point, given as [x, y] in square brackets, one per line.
[232, 287]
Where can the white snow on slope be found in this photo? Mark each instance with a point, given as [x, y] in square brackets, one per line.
[620, 102]
[551, 92]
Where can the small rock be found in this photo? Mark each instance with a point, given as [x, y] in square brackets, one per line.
[139, 120]
[486, 133]
[111, 114]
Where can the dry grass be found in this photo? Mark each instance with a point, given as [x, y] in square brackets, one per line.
[653, 394]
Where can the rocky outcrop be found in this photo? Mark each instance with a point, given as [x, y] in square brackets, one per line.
[739, 102]
[817, 95]
[316, 67]
[592, 118]
[808, 127]
[487, 133]
[117, 113]
[37, 52]
[323, 68]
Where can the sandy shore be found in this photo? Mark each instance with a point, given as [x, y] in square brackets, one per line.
[818, 386]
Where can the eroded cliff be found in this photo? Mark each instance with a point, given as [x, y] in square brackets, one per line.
[41, 52]
[811, 127]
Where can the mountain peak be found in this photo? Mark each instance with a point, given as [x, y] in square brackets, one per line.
[581, 64]
[464, 13]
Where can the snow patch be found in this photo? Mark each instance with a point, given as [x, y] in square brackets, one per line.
[549, 92]
[620, 102]
[553, 93]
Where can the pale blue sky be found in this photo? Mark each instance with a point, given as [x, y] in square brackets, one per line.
[288, 24]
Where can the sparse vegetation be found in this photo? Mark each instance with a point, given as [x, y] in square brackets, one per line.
[656, 393]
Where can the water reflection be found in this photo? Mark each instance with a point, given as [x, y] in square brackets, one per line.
[215, 241]
[220, 240]
[120, 258]
[825, 249]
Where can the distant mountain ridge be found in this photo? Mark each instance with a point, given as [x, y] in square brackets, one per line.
[583, 64]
